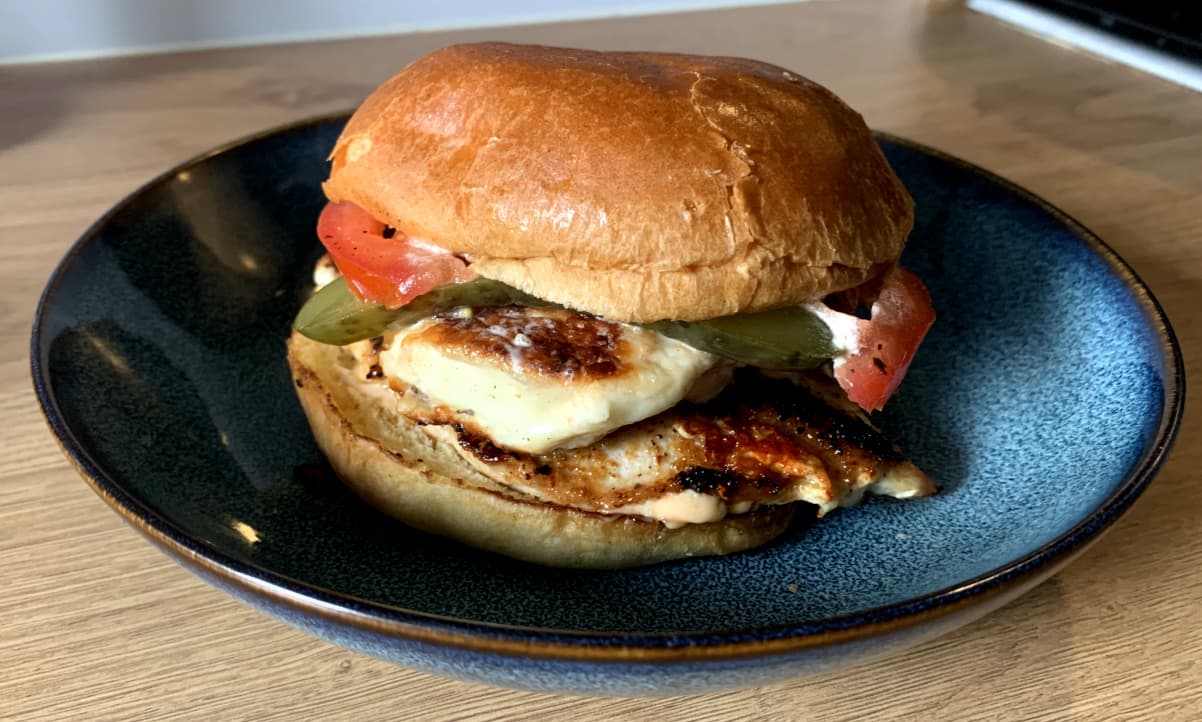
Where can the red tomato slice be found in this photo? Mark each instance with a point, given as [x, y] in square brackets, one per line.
[901, 316]
[387, 271]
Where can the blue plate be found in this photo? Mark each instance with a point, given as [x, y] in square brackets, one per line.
[1043, 401]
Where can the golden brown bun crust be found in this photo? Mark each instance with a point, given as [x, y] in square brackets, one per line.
[637, 186]
[395, 467]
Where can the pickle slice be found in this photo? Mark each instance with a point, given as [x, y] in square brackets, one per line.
[334, 315]
[785, 338]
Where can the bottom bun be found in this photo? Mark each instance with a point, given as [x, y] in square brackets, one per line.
[396, 467]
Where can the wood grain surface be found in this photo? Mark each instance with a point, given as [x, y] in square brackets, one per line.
[97, 624]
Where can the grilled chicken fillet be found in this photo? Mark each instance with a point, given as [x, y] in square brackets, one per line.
[759, 441]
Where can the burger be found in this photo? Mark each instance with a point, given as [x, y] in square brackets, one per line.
[593, 309]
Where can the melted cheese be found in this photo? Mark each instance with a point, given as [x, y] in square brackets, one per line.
[519, 408]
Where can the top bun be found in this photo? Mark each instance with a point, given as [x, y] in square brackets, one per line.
[636, 186]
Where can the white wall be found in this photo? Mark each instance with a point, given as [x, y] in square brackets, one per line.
[59, 29]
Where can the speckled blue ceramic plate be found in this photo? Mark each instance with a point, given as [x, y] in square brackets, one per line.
[1044, 400]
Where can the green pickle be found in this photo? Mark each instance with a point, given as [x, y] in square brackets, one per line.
[336, 316]
[786, 338]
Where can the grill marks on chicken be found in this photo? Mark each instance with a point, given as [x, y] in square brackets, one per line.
[762, 441]
[762, 435]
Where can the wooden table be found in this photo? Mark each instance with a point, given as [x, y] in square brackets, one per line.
[95, 623]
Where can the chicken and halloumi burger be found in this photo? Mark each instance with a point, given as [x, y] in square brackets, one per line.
[607, 309]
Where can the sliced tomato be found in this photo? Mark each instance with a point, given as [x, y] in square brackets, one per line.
[901, 316]
[388, 271]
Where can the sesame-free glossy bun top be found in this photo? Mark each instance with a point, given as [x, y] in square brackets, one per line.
[637, 186]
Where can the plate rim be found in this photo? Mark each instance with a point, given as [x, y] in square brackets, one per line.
[565, 644]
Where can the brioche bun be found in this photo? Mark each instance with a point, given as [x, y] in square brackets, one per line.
[390, 463]
[636, 186]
